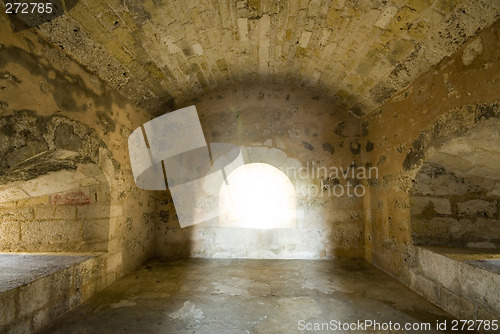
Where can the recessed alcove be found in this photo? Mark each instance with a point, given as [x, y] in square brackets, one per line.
[453, 204]
[455, 196]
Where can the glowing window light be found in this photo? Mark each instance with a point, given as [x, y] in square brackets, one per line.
[257, 196]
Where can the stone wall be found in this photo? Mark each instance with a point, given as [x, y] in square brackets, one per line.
[450, 210]
[53, 196]
[455, 96]
[42, 83]
[288, 128]
[34, 218]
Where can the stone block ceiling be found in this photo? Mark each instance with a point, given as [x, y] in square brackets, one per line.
[163, 54]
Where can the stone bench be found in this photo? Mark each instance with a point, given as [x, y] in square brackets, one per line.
[35, 289]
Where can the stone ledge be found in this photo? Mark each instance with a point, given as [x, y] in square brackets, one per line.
[466, 280]
[35, 289]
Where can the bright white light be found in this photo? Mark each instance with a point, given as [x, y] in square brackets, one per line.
[257, 196]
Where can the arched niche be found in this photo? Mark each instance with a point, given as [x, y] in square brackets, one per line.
[54, 193]
[455, 191]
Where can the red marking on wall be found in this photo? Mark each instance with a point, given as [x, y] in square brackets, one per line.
[73, 197]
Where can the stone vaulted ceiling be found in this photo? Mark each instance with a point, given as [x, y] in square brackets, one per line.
[162, 54]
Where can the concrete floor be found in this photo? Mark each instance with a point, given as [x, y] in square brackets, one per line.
[248, 296]
[17, 269]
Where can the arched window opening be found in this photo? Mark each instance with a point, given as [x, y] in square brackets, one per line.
[257, 196]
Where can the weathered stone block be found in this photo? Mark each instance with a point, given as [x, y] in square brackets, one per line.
[7, 306]
[99, 193]
[41, 318]
[116, 211]
[96, 229]
[480, 285]
[61, 283]
[425, 287]
[94, 246]
[88, 271]
[456, 305]
[34, 296]
[75, 299]
[420, 204]
[437, 267]
[89, 290]
[419, 5]
[56, 310]
[438, 227]
[478, 207]
[485, 315]
[487, 229]
[433, 180]
[45, 212]
[386, 16]
[94, 211]
[51, 234]
[474, 49]
[64, 212]
[113, 230]
[111, 278]
[9, 232]
[34, 201]
[51, 183]
[89, 169]
[10, 194]
[23, 214]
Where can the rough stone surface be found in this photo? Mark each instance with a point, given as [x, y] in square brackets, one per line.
[456, 305]
[288, 82]
[255, 296]
[459, 280]
[63, 145]
[444, 104]
[271, 123]
[448, 210]
[18, 270]
[56, 105]
[36, 289]
[477, 207]
[358, 52]
[47, 219]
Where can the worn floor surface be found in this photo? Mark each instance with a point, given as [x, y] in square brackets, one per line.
[249, 296]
